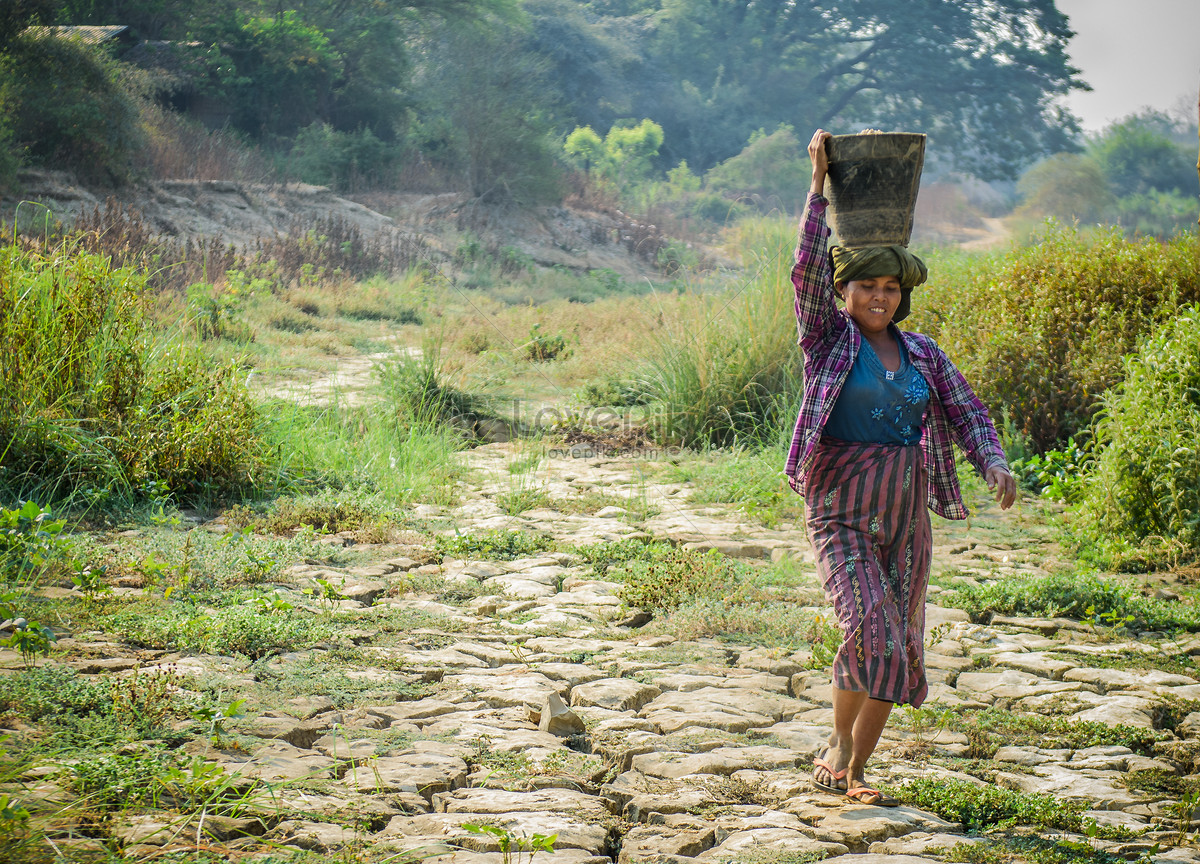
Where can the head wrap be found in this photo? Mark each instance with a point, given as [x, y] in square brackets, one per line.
[869, 262]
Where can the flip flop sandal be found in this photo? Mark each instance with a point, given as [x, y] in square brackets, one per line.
[859, 792]
[820, 762]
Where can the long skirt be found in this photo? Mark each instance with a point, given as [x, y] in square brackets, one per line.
[869, 526]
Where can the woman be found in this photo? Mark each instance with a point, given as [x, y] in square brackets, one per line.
[871, 449]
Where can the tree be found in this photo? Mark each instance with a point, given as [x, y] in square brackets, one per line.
[982, 77]
[1068, 186]
[491, 95]
[1137, 156]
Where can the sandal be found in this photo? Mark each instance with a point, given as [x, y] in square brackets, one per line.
[820, 762]
[858, 793]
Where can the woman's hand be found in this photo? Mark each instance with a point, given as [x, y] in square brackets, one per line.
[820, 160]
[1003, 485]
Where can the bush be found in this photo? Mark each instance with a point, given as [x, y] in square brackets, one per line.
[91, 402]
[90, 126]
[1040, 333]
[345, 161]
[1147, 478]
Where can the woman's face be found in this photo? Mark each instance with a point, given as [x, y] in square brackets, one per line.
[872, 302]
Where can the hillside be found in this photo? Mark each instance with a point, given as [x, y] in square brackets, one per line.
[239, 214]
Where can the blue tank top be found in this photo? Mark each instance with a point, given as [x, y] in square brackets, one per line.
[878, 406]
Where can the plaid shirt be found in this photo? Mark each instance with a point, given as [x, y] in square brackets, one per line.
[830, 340]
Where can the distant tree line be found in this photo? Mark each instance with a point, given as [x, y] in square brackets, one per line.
[501, 98]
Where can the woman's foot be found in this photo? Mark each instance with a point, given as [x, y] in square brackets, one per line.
[831, 767]
[860, 792]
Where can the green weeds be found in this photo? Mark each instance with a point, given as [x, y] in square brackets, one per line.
[1083, 596]
[493, 545]
[979, 807]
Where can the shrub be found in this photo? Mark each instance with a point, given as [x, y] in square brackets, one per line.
[90, 126]
[1147, 478]
[1040, 333]
[664, 577]
[89, 400]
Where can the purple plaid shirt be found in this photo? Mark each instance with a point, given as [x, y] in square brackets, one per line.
[830, 340]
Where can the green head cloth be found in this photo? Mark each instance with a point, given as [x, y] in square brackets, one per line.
[870, 262]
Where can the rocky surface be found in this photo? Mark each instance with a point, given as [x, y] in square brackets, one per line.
[527, 708]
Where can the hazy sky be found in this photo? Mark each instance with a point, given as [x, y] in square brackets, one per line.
[1134, 53]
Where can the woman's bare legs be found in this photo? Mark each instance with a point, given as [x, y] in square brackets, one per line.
[858, 722]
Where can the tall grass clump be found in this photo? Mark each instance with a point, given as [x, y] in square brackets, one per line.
[91, 402]
[401, 448]
[1145, 488]
[1040, 332]
[730, 372]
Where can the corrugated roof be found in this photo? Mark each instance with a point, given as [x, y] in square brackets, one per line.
[91, 34]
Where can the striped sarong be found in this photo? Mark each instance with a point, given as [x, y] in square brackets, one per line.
[870, 531]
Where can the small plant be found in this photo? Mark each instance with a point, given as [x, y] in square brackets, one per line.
[1060, 475]
[147, 699]
[30, 639]
[493, 545]
[513, 848]
[326, 595]
[214, 717]
[542, 347]
[29, 538]
[91, 581]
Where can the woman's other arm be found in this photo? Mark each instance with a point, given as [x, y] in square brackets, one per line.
[974, 431]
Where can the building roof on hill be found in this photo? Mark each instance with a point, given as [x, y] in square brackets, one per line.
[92, 34]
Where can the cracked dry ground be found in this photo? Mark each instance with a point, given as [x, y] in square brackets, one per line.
[537, 707]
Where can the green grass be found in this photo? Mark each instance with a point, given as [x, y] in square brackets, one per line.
[96, 406]
[730, 372]
[993, 728]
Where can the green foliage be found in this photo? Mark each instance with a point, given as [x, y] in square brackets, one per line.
[1083, 596]
[115, 781]
[244, 630]
[1136, 157]
[53, 691]
[993, 728]
[345, 161]
[511, 846]
[1040, 850]
[1147, 478]
[29, 540]
[1066, 186]
[984, 806]
[492, 545]
[664, 577]
[1059, 475]
[494, 124]
[1133, 175]
[1040, 332]
[91, 403]
[749, 477]
[769, 167]
[543, 347]
[90, 126]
